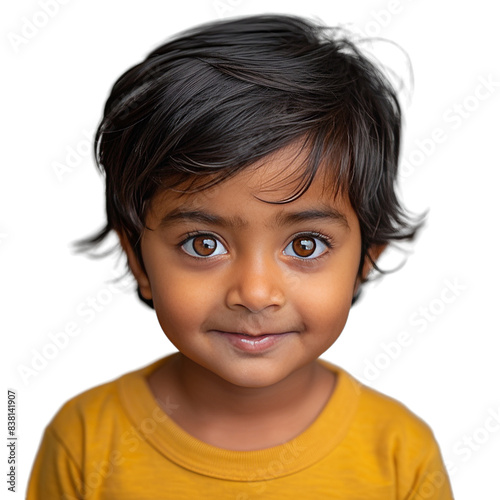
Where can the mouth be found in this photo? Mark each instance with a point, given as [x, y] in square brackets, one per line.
[254, 342]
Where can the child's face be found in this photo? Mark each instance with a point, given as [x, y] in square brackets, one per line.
[249, 290]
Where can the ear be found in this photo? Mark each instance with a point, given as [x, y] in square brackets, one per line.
[137, 270]
[373, 254]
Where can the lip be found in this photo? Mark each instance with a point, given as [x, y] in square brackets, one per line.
[254, 342]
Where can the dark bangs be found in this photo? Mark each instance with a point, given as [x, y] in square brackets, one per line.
[221, 97]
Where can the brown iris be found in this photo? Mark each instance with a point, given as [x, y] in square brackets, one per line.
[304, 247]
[204, 245]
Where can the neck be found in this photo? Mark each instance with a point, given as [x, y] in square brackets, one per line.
[243, 418]
[207, 391]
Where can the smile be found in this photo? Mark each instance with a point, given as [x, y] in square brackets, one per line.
[253, 343]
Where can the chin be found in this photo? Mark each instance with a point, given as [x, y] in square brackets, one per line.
[254, 378]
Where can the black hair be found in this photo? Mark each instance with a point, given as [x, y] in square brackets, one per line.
[217, 98]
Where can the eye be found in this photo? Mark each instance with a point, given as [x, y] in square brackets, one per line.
[306, 247]
[203, 245]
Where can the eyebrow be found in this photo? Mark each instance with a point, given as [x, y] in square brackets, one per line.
[326, 213]
[282, 219]
[178, 215]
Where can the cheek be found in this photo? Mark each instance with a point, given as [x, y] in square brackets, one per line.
[327, 311]
[324, 300]
[181, 300]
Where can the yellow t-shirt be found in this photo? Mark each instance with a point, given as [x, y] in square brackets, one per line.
[114, 442]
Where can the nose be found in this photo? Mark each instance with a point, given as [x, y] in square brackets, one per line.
[256, 283]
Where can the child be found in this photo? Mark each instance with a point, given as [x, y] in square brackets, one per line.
[250, 175]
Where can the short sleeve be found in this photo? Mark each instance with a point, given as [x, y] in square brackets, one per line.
[55, 474]
[432, 480]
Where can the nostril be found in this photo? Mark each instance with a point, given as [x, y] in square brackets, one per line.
[256, 291]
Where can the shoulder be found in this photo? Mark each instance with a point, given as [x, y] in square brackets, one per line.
[86, 405]
[389, 432]
[389, 442]
[382, 418]
[391, 416]
[404, 442]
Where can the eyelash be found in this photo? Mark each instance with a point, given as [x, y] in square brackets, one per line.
[326, 240]
[194, 234]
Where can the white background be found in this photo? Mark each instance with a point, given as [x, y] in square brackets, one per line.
[56, 78]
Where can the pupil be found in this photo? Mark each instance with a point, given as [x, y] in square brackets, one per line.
[204, 246]
[304, 247]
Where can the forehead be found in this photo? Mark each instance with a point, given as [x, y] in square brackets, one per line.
[258, 192]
